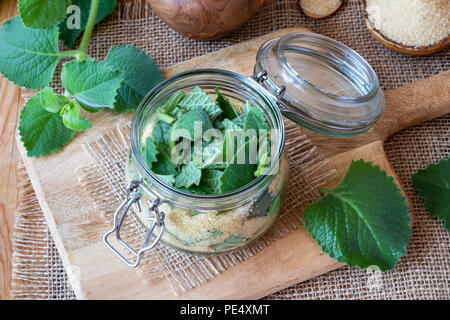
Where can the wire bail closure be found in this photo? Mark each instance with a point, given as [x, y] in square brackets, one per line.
[133, 196]
[262, 76]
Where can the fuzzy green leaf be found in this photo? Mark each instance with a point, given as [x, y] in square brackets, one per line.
[174, 101]
[42, 13]
[209, 182]
[189, 176]
[42, 132]
[184, 127]
[68, 33]
[28, 57]
[363, 221]
[199, 99]
[51, 101]
[92, 83]
[141, 74]
[70, 114]
[433, 185]
[228, 111]
[150, 152]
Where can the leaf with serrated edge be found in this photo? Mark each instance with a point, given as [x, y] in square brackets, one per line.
[42, 132]
[51, 101]
[150, 151]
[189, 175]
[71, 117]
[28, 57]
[42, 13]
[92, 83]
[199, 99]
[433, 185]
[363, 221]
[141, 74]
[68, 36]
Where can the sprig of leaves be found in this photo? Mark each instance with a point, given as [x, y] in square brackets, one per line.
[433, 185]
[363, 221]
[29, 54]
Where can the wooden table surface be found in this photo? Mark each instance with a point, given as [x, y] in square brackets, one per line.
[9, 157]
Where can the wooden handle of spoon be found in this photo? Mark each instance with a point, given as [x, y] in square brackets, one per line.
[413, 104]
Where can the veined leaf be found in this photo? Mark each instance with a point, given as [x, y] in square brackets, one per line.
[141, 74]
[363, 221]
[42, 132]
[42, 13]
[184, 127]
[433, 185]
[28, 57]
[150, 152]
[69, 32]
[92, 83]
[199, 99]
[228, 110]
[189, 176]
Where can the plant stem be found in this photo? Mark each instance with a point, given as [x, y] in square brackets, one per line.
[89, 25]
[69, 53]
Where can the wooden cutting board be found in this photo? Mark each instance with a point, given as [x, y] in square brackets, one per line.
[96, 273]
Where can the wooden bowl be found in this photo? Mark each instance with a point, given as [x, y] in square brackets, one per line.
[205, 19]
[315, 16]
[402, 48]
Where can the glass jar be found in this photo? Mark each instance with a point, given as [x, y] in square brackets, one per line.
[343, 99]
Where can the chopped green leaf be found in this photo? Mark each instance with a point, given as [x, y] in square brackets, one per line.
[92, 83]
[28, 57]
[69, 33]
[164, 165]
[51, 101]
[42, 13]
[189, 176]
[150, 152]
[228, 111]
[199, 99]
[167, 178]
[433, 185]
[71, 117]
[239, 173]
[141, 74]
[210, 182]
[174, 101]
[165, 117]
[363, 221]
[184, 127]
[232, 241]
[42, 132]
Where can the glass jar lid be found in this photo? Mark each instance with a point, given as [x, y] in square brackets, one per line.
[320, 83]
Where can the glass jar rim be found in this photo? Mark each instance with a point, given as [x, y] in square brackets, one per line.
[281, 46]
[249, 189]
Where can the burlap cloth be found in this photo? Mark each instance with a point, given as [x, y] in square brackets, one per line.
[423, 272]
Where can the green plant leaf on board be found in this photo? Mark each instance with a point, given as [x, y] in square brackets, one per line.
[28, 57]
[70, 114]
[433, 185]
[51, 101]
[69, 31]
[42, 132]
[363, 221]
[140, 71]
[42, 13]
[92, 83]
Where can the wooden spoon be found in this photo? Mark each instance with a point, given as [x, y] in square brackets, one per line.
[320, 16]
[402, 48]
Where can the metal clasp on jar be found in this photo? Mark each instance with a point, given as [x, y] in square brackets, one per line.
[133, 196]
